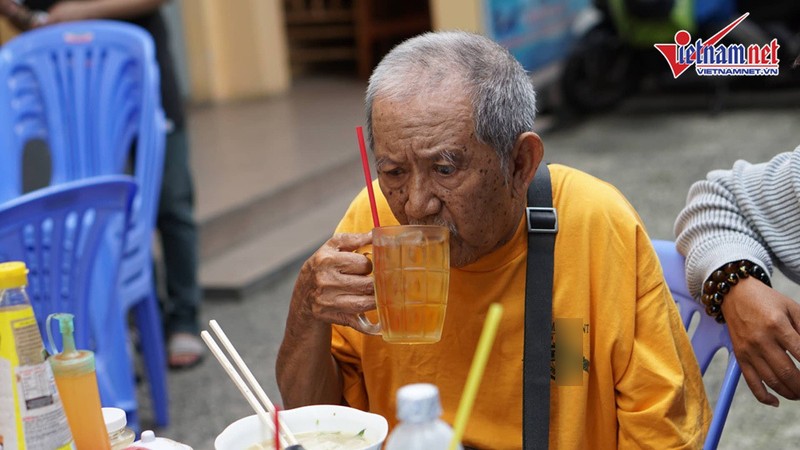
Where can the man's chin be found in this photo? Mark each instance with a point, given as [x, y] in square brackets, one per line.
[460, 258]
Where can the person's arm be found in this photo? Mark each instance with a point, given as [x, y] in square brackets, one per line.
[751, 212]
[22, 18]
[661, 401]
[333, 286]
[66, 11]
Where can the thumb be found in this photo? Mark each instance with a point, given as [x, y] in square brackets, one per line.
[349, 242]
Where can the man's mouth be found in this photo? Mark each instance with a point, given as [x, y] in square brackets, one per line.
[437, 221]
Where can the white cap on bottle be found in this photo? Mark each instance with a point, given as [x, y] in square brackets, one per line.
[418, 403]
[151, 442]
[115, 419]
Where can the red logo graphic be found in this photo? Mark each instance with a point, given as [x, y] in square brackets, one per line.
[712, 58]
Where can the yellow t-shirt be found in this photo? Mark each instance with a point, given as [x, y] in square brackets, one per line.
[641, 385]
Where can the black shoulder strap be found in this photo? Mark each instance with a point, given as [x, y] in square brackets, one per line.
[542, 229]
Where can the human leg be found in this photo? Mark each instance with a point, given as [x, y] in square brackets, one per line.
[178, 231]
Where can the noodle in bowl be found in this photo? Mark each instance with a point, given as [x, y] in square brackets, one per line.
[367, 430]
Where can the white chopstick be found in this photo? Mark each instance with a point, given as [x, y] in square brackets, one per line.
[248, 375]
[243, 388]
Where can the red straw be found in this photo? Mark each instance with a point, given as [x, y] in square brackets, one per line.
[367, 176]
[277, 430]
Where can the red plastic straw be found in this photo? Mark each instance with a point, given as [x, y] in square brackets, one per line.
[277, 430]
[367, 176]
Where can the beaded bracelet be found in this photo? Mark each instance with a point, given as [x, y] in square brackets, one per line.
[723, 279]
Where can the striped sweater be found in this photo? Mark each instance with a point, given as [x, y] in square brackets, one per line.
[749, 212]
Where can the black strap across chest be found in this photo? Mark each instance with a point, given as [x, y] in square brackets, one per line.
[542, 228]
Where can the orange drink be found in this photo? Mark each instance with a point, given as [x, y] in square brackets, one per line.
[412, 278]
[84, 413]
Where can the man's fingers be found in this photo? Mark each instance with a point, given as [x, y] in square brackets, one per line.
[766, 370]
[794, 318]
[339, 253]
[753, 381]
[348, 242]
[783, 366]
[343, 309]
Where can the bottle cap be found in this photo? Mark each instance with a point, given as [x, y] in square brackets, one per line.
[13, 275]
[418, 403]
[151, 442]
[70, 361]
[115, 419]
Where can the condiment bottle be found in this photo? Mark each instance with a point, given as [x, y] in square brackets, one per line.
[119, 434]
[420, 427]
[77, 382]
[27, 392]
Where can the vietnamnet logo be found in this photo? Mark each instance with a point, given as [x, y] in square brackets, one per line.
[711, 58]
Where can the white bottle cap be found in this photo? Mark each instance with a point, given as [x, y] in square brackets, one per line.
[418, 403]
[150, 441]
[115, 419]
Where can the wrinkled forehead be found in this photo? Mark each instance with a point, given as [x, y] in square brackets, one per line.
[438, 115]
[422, 82]
[420, 96]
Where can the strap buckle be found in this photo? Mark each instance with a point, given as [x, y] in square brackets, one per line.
[541, 220]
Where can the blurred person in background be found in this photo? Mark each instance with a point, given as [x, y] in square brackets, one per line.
[450, 119]
[175, 223]
[746, 221]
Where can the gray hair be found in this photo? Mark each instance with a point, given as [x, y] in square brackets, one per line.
[502, 95]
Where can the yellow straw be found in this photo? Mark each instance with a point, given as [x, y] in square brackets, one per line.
[476, 372]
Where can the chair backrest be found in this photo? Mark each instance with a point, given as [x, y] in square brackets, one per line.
[90, 90]
[708, 338]
[57, 232]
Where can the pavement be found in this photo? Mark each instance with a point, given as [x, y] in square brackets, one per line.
[652, 148]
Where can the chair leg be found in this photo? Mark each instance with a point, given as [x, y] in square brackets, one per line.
[114, 367]
[729, 383]
[148, 320]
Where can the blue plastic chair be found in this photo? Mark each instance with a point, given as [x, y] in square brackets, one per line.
[708, 338]
[91, 90]
[58, 232]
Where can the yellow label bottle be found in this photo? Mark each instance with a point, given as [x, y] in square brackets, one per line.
[31, 413]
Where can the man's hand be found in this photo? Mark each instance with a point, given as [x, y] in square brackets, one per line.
[68, 11]
[764, 325]
[7, 7]
[20, 17]
[334, 285]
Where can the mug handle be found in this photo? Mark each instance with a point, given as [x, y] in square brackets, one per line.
[364, 324]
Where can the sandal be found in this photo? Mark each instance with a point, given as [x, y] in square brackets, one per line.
[184, 351]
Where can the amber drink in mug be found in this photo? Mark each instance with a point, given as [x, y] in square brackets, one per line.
[411, 266]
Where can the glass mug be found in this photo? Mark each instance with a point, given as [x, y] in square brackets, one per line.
[411, 268]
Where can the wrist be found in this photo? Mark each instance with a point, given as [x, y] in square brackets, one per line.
[723, 280]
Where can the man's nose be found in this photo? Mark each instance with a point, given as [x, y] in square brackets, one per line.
[422, 201]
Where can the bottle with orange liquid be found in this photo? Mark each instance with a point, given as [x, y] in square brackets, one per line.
[74, 371]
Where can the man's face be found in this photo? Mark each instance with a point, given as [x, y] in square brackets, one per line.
[433, 170]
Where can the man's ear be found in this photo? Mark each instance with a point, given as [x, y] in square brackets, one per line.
[525, 159]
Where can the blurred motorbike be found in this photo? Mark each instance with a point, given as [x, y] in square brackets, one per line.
[615, 52]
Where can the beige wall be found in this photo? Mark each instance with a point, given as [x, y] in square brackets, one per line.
[457, 15]
[236, 52]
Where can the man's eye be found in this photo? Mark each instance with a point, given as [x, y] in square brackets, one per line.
[393, 172]
[444, 169]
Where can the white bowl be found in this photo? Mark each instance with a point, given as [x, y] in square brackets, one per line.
[250, 431]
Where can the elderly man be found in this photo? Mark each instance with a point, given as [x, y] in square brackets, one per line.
[450, 118]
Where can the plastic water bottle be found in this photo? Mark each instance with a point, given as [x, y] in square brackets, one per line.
[31, 412]
[420, 427]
